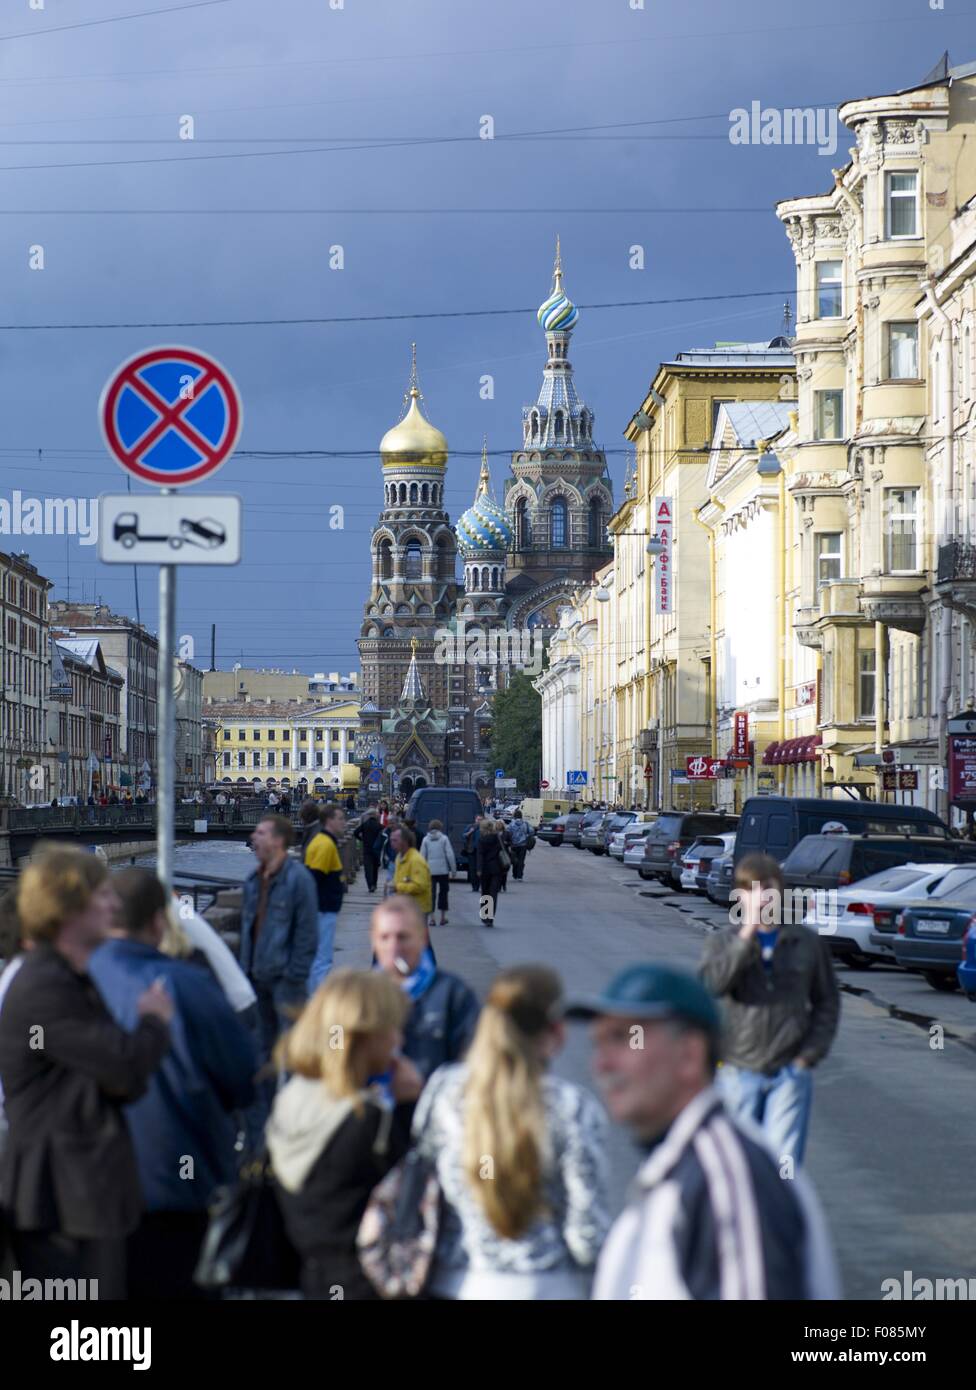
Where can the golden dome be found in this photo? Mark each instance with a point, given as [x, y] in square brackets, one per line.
[414, 440]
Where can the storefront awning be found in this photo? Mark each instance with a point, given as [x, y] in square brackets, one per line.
[793, 750]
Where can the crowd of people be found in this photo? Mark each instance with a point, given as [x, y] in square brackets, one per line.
[142, 1062]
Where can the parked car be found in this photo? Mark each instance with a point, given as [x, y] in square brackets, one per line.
[671, 834]
[776, 824]
[966, 969]
[562, 829]
[697, 858]
[634, 837]
[616, 822]
[834, 861]
[928, 936]
[590, 818]
[718, 885]
[858, 923]
[634, 829]
[591, 836]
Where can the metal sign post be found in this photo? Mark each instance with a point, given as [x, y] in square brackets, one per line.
[171, 416]
[166, 727]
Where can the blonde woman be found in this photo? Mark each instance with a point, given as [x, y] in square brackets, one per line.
[330, 1137]
[520, 1155]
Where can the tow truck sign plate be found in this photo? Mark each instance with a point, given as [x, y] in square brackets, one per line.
[175, 529]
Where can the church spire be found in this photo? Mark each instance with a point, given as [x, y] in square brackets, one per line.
[413, 686]
[484, 480]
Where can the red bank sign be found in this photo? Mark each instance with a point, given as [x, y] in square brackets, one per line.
[663, 529]
[701, 767]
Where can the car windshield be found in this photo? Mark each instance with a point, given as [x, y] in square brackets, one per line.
[958, 883]
[667, 827]
[891, 880]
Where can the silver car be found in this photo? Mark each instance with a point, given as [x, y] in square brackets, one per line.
[634, 837]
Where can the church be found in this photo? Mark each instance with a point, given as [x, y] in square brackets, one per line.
[427, 685]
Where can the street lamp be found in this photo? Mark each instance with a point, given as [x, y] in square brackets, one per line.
[655, 546]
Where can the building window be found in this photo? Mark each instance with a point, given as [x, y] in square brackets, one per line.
[716, 407]
[256, 736]
[828, 557]
[830, 289]
[521, 525]
[319, 759]
[902, 351]
[902, 205]
[226, 760]
[240, 759]
[318, 735]
[271, 735]
[303, 759]
[255, 759]
[866, 684]
[900, 529]
[271, 757]
[284, 757]
[413, 566]
[829, 414]
[240, 735]
[558, 523]
[335, 759]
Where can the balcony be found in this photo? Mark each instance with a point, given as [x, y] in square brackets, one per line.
[805, 627]
[895, 600]
[956, 577]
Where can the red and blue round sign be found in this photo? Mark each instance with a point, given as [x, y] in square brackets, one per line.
[171, 415]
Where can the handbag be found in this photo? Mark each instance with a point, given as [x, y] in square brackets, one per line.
[398, 1233]
[503, 858]
[246, 1244]
[530, 842]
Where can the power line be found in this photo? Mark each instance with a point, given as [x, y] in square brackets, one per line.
[385, 318]
[114, 19]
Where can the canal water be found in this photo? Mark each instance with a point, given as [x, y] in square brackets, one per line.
[230, 859]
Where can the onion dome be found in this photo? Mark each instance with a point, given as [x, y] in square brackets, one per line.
[558, 314]
[414, 440]
[484, 528]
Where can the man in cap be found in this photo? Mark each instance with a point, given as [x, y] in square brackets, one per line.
[710, 1216]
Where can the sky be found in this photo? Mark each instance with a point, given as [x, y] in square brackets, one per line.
[358, 127]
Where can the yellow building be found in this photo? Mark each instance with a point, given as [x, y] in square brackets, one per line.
[664, 660]
[285, 745]
[875, 495]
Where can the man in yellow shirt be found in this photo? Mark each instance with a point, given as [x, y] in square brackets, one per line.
[411, 876]
[323, 861]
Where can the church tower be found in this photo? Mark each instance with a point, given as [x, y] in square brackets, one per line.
[560, 499]
[414, 555]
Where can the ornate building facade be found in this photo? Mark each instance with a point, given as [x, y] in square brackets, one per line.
[434, 651]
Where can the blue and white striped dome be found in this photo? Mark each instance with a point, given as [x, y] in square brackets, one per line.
[483, 529]
[558, 314]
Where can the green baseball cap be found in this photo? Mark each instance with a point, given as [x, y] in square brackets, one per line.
[650, 992]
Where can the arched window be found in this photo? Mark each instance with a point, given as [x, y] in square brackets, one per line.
[521, 524]
[559, 419]
[413, 494]
[474, 576]
[535, 424]
[386, 560]
[494, 580]
[413, 560]
[484, 578]
[425, 494]
[557, 523]
[403, 494]
[596, 524]
[445, 559]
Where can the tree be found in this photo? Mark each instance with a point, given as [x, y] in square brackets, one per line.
[516, 739]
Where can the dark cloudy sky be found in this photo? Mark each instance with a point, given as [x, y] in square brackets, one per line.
[138, 226]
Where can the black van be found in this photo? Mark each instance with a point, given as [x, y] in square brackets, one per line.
[776, 824]
[454, 807]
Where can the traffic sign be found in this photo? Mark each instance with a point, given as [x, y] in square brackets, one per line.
[171, 415]
[578, 778]
[499, 772]
[169, 529]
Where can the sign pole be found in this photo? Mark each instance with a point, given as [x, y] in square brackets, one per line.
[166, 727]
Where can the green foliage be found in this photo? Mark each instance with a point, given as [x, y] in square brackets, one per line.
[517, 732]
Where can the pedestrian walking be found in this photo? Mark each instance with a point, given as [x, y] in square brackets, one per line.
[491, 870]
[388, 854]
[471, 836]
[438, 851]
[323, 860]
[384, 813]
[309, 825]
[279, 939]
[534, 1229]
[411, 876]
[445, 1010]
[351, 804]
[69, 1186]
[518, 838]
[331, 1137]
[183, 1128]
[370, 834]
[782, 1006]
[711, 1216]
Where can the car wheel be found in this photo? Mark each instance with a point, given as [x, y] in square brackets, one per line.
[971, 995]
[128, 540]
[857, 962]
[675, 887]
[945, 984]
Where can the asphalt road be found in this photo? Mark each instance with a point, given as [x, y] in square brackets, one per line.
[891, 1143]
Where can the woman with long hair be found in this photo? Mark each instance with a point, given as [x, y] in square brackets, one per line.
[519, 1153]
[491, 870]
[331, 1136]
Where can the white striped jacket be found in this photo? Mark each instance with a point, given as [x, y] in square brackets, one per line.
[711, 1218]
